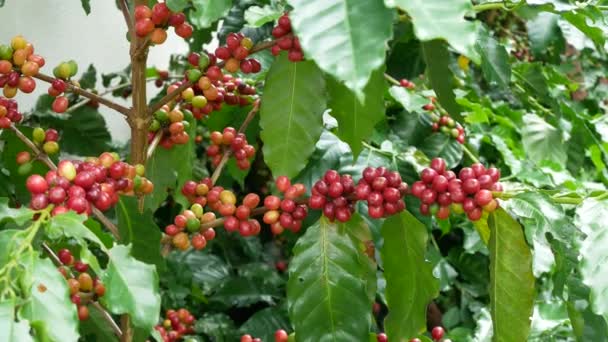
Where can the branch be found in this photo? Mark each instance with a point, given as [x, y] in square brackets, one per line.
[154, 143]
[126, 15]
[168, 97]
[79, 91]
[105, 92]
[48, 162]
[106, 316]
[391, 79]
[218, 171]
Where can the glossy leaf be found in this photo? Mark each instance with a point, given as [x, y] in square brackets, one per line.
[346, 38]
[441, 145]
[291, 115]
[19, 216]
[49, 310]
[589, 218]
[265, 322]
[356, 119]
[543, 32]
[410, 284]
[442, 19]
[71, 225]
[257, 16]
[327, 300]
[140, 231]
[542, 141]
[494, 60]
[207, 12]
[511, 279]
[131, 288]
[10, 330]
[411, 101]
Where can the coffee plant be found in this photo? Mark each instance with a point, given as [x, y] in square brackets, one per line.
[312, 170]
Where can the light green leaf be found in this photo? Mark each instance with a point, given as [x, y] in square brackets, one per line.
[49, 309]
[411, 101]
[437, 59]
[356, 120]
[291, 116]
[443, 19]
[511, 279]
[326, 297]
[176, 5]
[542, 141]
[19, 216]
[346, 38]
[257, 16]
[590, 218]
[494, 60]
[72, 225]
[131, 288]
[410, 284]
[140, 231]
[9, 329]
[206, 12]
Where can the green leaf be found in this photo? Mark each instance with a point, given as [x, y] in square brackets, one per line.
[9, 329]
[177, 5]
[7, 244]
[590, 218]
[494, 60]
[71, 225]
[257, 16]
[543, 32]
[139, 230]
[217, 325]
[240, 292]
[326, 299]
[443, 19]
[207, 12]
[586, 325]
[542, 141]
[411, 101]
[356, 120]
[86, 6]
[291, 114]
[49, 309]
[346, 38]
[88, 80]
[446, 147]
[264, 323]
[96, 328]
[511, 279]
[437, 58]
[19, 216]
[170, 179]
[579, 20]
[410, 284]
[208, 270]
[131, 288]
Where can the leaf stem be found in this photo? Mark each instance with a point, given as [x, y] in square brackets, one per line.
[79, 91]
[391, 79]
[469, 154]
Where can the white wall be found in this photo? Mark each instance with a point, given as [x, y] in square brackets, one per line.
[60, 31]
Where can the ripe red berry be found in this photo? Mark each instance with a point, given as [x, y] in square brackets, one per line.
[65, 256]
[282, 183]
[280, 336]
[470, 186]
[438, 164]
[81, 266]
[427, 175]
[381, 337]
[36, 184]
[483, 197]
[60, 104]
[437, 333]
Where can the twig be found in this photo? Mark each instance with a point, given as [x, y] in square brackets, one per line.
[391, 79]
[125, 12]
[168, 97]
[106, 92]
[48, 162]
[104, 314]
[469, 154]
[218, 171]
[154, 144]
[79, 91]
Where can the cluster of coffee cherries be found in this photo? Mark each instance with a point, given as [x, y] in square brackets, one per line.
[441, 191]
[9, 112]
[383, 190]
[189, 222]
[83, 287]
[407, 84]
[18, 65]
[174, 125]
[176, 325]
[47, 140]
[286, 40]
[235, 53]
[155, 21]
[279, 336]
[79, 185]
[237, 142]
[334, 194]
[286, 213]
[209, 92]
[446, 125]
[238, 218]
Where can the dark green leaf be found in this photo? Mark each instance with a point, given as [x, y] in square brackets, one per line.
[265, 322]
[437, 58]
[543, 33]
[241, 292]
[86, 6]
[494, 60]
[131, 288]
[96, 328]
[410, 284]
[88, 80]
[217, 325]
[356, 120]
[511, 279]
[326, 298]
[140, 231]
[208, 270]
[291, 114]
[446, 147]
[50, 312]
[348, 51]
